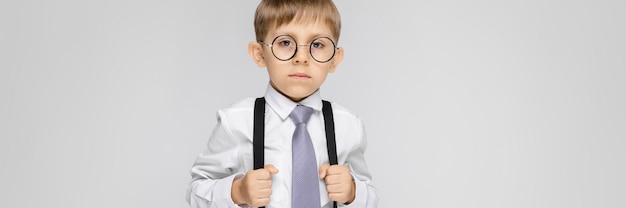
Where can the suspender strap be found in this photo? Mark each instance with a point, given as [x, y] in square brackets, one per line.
[331, 145]
[258, 140]
[329, 123]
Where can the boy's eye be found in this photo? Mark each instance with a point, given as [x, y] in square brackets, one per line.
[317, 44]
[285, 43]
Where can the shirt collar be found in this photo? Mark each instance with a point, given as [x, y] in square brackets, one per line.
[283, 106]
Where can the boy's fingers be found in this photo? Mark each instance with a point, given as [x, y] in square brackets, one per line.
[271, 169]
[337, 169]
[323, 169]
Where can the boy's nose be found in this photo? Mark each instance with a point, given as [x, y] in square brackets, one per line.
[302, 55]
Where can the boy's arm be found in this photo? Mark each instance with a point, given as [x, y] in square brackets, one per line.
[366, 195]
[214, 170]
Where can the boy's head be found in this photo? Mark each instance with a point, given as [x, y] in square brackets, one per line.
[296, 40]
[275, 13]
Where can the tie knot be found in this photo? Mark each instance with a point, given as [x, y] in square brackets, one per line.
[301, 114]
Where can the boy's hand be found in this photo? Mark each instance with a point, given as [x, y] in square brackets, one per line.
[255, 187]
[339, 183]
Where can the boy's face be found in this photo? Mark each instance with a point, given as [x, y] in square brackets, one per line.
[302, 75]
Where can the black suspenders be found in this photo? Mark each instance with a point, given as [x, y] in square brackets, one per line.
[258, 140]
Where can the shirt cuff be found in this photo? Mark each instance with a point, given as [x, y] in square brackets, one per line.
[360, 197]
[223, 191]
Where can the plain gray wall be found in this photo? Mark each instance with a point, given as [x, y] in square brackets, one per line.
[483, 104]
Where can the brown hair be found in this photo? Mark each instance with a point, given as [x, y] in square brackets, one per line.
[275, 13]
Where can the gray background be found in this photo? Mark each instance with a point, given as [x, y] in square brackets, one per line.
[466, 103]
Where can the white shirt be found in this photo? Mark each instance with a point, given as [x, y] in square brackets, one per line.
[228, 153]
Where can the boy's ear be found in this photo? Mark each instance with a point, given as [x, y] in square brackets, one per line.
[336, 60]
[255, 50]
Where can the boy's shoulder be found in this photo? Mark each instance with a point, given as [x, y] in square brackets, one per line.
[239, 114]
[341, 109]
[341, 112]
[243, 105]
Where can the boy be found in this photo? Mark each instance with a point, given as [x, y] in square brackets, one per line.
[296, 43]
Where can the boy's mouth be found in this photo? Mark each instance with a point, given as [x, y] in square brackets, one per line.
[299, 76]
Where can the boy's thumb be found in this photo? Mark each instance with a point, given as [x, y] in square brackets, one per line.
[323, 169]
[271, 169]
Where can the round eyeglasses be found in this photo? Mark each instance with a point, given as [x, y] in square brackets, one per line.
[285, 47]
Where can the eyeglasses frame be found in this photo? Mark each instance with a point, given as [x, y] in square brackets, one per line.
[335, 48]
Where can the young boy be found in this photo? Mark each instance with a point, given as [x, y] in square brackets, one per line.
[296, 42]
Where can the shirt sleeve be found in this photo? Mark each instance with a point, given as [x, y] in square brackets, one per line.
[215, 169]
[366, 195]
